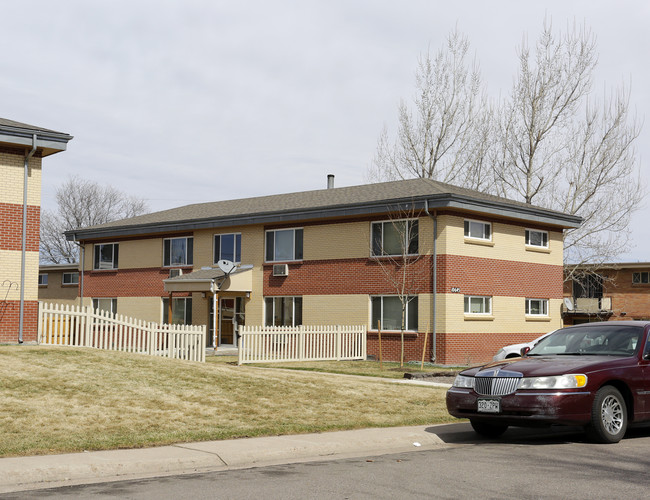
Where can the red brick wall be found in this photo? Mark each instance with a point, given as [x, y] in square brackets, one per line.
[9, 320]
[11, 228]
[144, 282]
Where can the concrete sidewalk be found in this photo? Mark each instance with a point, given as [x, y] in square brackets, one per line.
[28, 473]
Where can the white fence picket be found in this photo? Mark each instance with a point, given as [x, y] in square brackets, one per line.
[303, 343]
[86, 327]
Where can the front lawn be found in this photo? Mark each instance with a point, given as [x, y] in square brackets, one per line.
[55, 400]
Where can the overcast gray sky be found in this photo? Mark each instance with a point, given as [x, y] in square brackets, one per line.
[187, 101]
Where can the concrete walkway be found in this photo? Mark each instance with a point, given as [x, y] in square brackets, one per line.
[29, 473]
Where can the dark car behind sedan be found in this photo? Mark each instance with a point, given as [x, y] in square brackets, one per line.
[596, 375]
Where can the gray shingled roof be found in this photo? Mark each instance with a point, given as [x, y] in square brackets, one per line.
[4, 122]
[21, 134]
[336, 202]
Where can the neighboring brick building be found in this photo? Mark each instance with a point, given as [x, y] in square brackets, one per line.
[22, 148]
[614, 291]
[323, 257]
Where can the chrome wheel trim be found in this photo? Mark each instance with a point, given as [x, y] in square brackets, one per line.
[611, 414]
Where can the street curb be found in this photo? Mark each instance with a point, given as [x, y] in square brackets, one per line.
[28, 473]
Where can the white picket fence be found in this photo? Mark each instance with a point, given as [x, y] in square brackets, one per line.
[68, 325]
[302, 343]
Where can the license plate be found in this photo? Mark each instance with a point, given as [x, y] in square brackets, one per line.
[489, 405]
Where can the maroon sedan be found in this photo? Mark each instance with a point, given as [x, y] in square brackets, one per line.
[596, 375]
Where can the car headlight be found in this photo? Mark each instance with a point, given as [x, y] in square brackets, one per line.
[573, 381]
[464, 381]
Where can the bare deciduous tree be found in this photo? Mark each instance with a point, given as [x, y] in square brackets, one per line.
[395, 248]
[558, 149]
[82, 203]
[443, 133]
[550, 143]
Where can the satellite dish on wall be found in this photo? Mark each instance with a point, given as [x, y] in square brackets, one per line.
[226, 266]
[568, 303]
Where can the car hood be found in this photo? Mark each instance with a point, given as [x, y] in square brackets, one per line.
[542, 366]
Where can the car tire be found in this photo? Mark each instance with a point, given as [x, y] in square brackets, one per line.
[608, 416]
[488, 429]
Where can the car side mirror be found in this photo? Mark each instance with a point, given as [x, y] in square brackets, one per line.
[524, 351]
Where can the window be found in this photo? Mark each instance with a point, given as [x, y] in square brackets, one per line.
[70, 278]
[283, 311]
[178, 252]
[227, 247]
[106, 256]
[478, 305]
[388, 310]
[42, 279]
[107, 305]
[478, 230]
[181, 311]
[643, 278]
[283, 244]
[536, 238]
[536, 307]
[395, 237]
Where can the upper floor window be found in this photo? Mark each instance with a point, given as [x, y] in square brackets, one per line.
[536, 238]
[478, 230]
[283, 244]
[537, 307]
[387, 311]
[398, 237]
[643, 277]
[107, 305]
[178, 252]
[106, 256]
[283, 311]
[478, 305]
[42, 279]
[70, 278]
[227, 247]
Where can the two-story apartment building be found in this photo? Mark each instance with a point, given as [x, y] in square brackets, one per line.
[475, 271]
[22, 148]
[59, 284]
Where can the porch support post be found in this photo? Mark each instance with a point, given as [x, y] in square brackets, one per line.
[169, 309]
[215, 318]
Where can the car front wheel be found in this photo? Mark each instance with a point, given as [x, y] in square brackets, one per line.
[608, 416]
[488, 429]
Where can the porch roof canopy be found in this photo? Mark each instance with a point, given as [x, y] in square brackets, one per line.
[211, 280]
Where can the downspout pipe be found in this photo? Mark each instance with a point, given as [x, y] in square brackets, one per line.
[23, 243]
[434, 278]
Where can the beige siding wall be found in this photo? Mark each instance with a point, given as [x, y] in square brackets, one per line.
[55, 291]
[336, 309]
[12, 175]
[337, 241]
[10, 268]
[507, 316]
[508, 242]
[142, 308]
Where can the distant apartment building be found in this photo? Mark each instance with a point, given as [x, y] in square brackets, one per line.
[482, 271]
[22, 148]
[612, 291]
[59, 284]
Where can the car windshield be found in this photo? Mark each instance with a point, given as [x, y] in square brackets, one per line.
[603, 340]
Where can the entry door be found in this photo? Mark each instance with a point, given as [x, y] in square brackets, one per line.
[227, 326]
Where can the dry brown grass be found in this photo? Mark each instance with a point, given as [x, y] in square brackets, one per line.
[56, 400]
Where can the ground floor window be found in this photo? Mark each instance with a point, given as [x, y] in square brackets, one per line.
[387, 310]
[478, 304]
[181, 311]
[536, 307]
[108, 305]
[283, 311]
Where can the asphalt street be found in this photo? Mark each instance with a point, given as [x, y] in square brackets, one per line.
[524, 463]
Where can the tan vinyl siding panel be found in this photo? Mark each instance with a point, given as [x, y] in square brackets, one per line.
[141, 308]
[508, 242]
[138, 254]
[337, 241]
[335, 310]
[12, 175]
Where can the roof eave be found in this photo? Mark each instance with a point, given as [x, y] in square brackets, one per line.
[446, 200]
[48, 141]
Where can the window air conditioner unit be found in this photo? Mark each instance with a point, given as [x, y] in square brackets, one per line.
[280, 270]
[173, 273]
